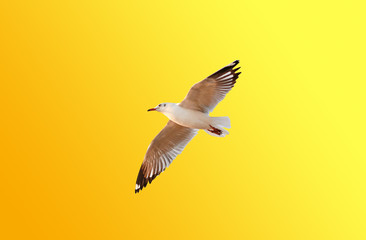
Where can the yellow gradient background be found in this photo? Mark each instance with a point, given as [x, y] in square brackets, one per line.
[78, 76]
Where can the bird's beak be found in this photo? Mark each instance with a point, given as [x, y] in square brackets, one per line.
[151, 109]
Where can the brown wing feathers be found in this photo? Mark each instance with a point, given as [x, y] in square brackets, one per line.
[206, 94]
[162, 151]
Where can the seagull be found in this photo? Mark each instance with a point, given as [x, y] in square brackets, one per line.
[185, 119]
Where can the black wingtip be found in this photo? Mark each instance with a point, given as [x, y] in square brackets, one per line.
[225, 69]
[233, 64]
[142, 181]
[236, 69]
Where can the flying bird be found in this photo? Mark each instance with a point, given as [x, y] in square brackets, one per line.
[185, 119]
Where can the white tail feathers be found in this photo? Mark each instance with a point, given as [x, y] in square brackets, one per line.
[221, 121]
[217, 126]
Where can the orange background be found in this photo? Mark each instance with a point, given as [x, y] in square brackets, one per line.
[78, 76]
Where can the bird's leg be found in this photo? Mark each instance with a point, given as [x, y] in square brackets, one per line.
[215, 130]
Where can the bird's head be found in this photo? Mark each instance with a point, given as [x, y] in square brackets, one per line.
[162, 107]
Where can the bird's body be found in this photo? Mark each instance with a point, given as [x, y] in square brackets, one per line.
[185, 119]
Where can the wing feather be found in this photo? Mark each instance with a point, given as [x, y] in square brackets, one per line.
[205, 95]
[165, 147]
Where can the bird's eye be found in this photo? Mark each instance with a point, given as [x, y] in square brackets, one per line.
[159, 105]
[164, 105]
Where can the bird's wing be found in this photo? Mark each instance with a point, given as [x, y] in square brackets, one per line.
[205, 95]
[162, 151]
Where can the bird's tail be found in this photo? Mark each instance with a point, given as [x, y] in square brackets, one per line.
[218, 125]
[221, 121]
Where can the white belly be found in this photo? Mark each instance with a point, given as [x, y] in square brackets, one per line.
[189, 118]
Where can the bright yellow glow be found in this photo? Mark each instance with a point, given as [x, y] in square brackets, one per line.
[78, 76]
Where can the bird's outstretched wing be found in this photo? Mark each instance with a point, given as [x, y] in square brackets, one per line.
[162, 151]
[205, 95]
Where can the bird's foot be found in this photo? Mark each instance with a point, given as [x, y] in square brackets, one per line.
[215, 130]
